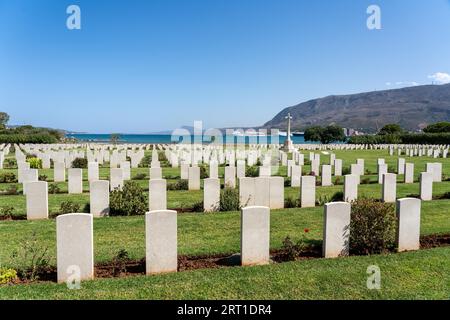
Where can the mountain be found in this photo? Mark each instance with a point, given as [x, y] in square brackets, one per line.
[413, 108]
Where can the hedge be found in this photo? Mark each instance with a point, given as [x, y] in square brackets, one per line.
[27, 138]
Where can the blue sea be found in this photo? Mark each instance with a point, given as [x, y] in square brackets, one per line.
[166, 139]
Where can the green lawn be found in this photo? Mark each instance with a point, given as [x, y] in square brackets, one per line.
[415, 275]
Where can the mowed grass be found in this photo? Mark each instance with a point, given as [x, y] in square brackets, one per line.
[423, 274]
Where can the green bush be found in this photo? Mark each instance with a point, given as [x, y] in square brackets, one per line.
[140, 176]
[337, 196]
[31, 259]
[80, 163]
[373, 227]
[8, 177]
[292, 251]
[35, 163]
[7, 275]
[146, 161]
[42, 177]
[198, 207]
[287, 182]
[28, 138]
[179, 185]
[10, 163]
[291, 202]
[252, 171]
[68, 207]
[203, 172]
[119, 262]
[229, 199]
[129, 201]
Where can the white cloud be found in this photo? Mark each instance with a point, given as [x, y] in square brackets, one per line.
[440, 77]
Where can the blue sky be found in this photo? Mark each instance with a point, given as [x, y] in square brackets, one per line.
[143, 66]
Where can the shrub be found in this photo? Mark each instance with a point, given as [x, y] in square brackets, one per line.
[290, 202]
[338, 181]
[53, 188]
[287, 182]
[7, 275]
[346, 170]
[80, 163]
[42, 177]
[372, 226]
[323, 199]
[35, 163]
[119, 262]
[229, 199]
[203, 172]
[365, 180]
[337, 196]
[10, 163]
[6, 212]
[28, 138]
[140, 176]
[68, 207]
[145, 162]
[31, 260]
[129, 201]
[8, 177]
[198, 207]
[292, 251]
[179, 185]
[252, 171]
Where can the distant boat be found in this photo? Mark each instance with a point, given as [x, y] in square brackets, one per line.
[248, 134]
[298, 134]
[284, 134]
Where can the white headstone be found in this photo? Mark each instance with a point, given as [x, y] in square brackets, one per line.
[161, 241]
[37, 200]
[75, 181]
[75, 246]
[255, 235]
[157, 194]
[99, 198]
[389, 188]
[211, 194]
[336, 230]
[308, 191]
[408, 232]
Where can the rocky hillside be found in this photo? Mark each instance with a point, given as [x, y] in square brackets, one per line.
[412, 108]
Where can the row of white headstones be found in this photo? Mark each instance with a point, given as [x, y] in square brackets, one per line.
[75, 244]
[259, 191]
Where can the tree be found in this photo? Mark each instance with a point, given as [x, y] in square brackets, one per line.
[391, 129]
[115, 138]
[440, 127]
[325, 135]
[4, 118]
[333, 134]
[314, 134]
